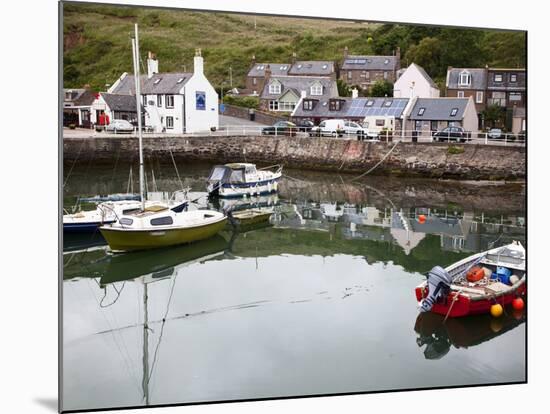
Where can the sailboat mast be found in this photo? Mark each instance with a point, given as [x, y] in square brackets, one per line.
[135, 49]
[145, 359]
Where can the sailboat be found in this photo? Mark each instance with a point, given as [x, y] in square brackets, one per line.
[157, 226]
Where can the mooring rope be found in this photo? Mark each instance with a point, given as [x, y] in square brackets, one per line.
[176, 168]
[74, 162]
[377, 164]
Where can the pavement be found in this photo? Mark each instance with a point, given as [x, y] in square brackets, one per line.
[230, 120]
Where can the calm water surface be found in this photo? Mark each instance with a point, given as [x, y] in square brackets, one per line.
[320, 301]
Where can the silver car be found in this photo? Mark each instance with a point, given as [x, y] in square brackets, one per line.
[353, 128]
[119, 125]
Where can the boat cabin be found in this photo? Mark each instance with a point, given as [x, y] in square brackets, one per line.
[233, 173]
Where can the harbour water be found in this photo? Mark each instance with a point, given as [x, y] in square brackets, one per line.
[319, 301]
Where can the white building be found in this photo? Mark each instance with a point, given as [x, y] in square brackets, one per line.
[415, 82]
[174, 102]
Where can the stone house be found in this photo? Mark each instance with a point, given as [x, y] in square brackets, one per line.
[364, 71]
[255, 79]
[489, 86]
[415, 82]
[282, 93]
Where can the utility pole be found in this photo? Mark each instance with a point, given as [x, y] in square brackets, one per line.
[230, 77]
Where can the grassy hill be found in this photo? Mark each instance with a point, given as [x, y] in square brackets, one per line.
[97, 45]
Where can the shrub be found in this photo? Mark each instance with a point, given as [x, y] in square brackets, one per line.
[243, 101]
[455, 149]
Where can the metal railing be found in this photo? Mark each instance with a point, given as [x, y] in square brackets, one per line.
[476, 137]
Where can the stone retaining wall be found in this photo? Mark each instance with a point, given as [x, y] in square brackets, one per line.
[261, 117]
[325, 154]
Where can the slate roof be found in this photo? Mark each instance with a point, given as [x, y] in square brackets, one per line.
[301, 83]
[312, 67]
[355, 108]
[126, 103]
[439, 109]
[519, 85]
[277, 69]
[78, 97]
[167, 84]
[479, 78]
[370, 63]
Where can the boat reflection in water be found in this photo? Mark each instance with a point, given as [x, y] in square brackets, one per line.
[438, 336]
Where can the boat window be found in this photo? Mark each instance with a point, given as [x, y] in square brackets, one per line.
[250, 170]
[161, 221]
[217, 174]
[237, 176]
[125, 221]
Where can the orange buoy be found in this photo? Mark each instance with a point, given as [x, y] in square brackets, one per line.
[421, 218]
[518, 304]
[496, 310]
[475, 274]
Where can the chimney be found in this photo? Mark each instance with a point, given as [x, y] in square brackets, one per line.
[303, 94]
[354, 93]
[346, 52]
[253, 60]
[267, 73]
[199, 63]
[293, 58]
[152, 64]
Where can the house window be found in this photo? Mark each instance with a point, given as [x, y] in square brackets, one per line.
[169, 99]
[380, 122]
[350, 74]
[170, 122]
[515, 96]
[513, 77]
[370, 102]
[465, 78]
[479, 97]
[460, 94]
[159, 100]
[498, 77]
[308, 105]
[286, 106]
[275, 88]
[387, 104]
[316, 89]
[421, 111]
[498, 98]
[273, 105]
[334, 105]
[385, 75]
[363, 74]
[254, 81]
[144, 100]
[454, 111]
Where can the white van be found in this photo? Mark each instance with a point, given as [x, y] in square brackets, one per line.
[329, 127]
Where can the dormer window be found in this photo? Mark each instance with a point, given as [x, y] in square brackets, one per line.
[498, 77]
[465, 78]
[274, 88]
[454, 111]
[325, 66]
[308, 105]
[421, 111]
[513, 77]
[335, 105]
[316, 89]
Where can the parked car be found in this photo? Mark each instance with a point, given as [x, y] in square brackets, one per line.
[305, 126]
[495, 133]
[119, 125]
[281, 128]
[329, 127]
[353, 128]
[451, 134]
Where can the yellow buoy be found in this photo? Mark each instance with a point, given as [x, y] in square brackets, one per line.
[496, 310]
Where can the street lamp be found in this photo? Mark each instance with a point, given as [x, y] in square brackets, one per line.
[223, 83]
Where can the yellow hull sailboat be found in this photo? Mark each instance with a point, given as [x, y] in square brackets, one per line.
[157, 226]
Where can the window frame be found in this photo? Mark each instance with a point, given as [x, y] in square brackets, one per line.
[168, 126]
[479, 96]
[513, 77]
[161, 221]
[159, 101]
[167, 100]
[316, 90]
[499, 75]
[465, 75]
[454, 112]
[421, 111]
[460, 94]
[274, 88]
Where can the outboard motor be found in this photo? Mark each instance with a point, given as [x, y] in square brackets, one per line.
[439, 284]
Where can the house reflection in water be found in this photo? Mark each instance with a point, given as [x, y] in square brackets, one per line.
[466, 231]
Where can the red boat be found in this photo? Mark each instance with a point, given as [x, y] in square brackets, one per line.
[451, 293]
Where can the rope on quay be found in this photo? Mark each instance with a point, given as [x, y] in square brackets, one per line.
[377, 164]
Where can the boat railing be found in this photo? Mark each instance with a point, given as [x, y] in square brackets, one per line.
[278, 167]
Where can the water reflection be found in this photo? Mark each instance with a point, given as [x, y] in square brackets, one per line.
[437, 336]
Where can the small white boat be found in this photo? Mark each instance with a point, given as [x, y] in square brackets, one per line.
[243, 180]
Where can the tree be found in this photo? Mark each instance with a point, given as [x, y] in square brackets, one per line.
[343, 88]
[494, 115]
[427, 53]
[381, 88]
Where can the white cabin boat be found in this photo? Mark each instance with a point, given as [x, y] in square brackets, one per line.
[243, 180]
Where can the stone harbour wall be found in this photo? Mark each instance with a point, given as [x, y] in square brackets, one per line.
[434, 160]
